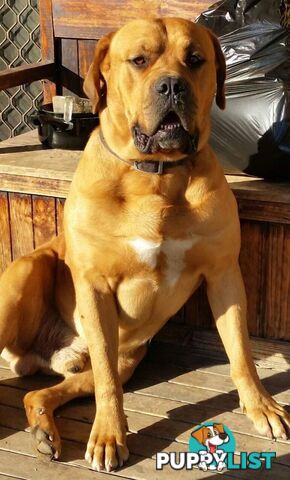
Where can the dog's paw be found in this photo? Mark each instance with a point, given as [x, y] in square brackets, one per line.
[76, 365]
[221, 466]
[107, 449]
[47, 442]
[269, 418]
[42, 427]
[202, 466]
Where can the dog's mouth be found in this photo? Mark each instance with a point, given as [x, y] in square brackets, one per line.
[212, 448]
[171, 134]
[170, 122]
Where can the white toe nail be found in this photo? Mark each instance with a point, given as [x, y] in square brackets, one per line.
[97, 467]
[88, 457]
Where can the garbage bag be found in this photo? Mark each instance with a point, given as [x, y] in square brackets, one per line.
[252, 135]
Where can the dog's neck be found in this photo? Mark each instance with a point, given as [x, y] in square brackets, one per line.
[153, 166]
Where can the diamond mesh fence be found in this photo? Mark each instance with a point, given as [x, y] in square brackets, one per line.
[19, 44]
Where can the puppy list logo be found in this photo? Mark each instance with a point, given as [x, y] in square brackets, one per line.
[211, 447]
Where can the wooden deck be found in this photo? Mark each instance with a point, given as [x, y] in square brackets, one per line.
[175, 388]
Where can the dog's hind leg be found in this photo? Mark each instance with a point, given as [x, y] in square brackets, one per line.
[26, 289]
[40, 404]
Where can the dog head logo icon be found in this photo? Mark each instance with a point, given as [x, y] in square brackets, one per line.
[213, 441]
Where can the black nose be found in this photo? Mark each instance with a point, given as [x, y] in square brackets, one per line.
[223, 436]
[171, 86]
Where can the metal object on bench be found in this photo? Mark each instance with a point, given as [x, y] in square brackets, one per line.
[56, 132]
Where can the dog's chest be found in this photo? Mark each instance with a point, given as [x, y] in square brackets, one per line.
[170, 253]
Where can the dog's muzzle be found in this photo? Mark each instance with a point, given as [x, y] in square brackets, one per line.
[170, 135]
[169, 131]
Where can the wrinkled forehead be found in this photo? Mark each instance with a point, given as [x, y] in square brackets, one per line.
[157, 35]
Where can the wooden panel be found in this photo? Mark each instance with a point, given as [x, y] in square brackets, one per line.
[86, 49]
[21, 224]
[276, 293]
[13, 77]
[47, 45]
[197, 310]
[5, 244]
[264, 210]
[72, 20]
[59, 214]
[184, 8]
[34, 185]
[252, 270]
[70, 79]
[44, 219]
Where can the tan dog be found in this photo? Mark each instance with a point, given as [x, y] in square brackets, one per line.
[136, 244]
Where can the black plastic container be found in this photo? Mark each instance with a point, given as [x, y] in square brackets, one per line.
[55, 132]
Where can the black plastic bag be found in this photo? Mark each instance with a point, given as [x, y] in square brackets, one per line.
[257, 55]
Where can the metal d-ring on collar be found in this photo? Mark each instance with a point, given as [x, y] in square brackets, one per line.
[148, 166]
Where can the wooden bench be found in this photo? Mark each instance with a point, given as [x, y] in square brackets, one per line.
[34, 183]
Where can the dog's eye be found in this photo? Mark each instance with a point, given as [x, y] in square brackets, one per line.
[194, 60]
[139, 61]
[209, 434]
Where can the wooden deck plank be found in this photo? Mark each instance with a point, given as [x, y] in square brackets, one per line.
[146, 414]
[153, 423]
[73, 455]
[200, 379]
[207, 343]
[30, 468]
[172, 391]
[204, 400]
[10, 477]
[138, 467]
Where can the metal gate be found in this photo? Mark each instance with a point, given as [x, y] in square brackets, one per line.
[19, 44]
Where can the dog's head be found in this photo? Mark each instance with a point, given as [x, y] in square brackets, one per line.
[211, 436]
[155, 81]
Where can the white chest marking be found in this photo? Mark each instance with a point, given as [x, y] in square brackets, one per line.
[174, 251]
[146, 250]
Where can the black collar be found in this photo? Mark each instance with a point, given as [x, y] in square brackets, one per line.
[148, 166]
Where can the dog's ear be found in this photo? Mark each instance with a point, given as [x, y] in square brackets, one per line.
[198, 434]
[220, 73]
[219, 427]
[94, 84]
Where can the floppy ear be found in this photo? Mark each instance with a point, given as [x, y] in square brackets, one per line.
[198, 434]
[94, 84]
[220, 74]
[219, 427]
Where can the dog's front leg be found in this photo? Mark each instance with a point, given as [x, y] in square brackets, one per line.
[96, 305]
[227, 298]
